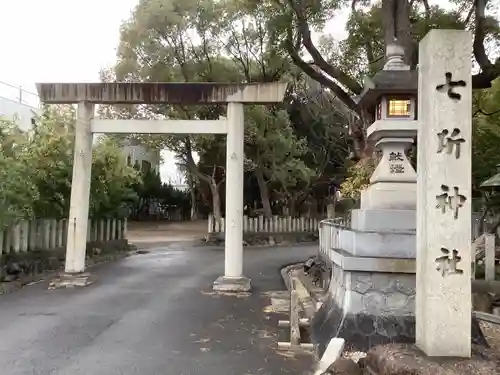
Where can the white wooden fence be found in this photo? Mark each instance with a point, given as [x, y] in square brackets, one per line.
[276, 224]
[43, 234]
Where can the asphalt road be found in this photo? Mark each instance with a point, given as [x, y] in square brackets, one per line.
[150, 314]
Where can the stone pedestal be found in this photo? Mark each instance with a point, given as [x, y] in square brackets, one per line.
[397, 359]
[366, 309]
[69, 280]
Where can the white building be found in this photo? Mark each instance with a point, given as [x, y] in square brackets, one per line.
[19, 105]
[23, 107]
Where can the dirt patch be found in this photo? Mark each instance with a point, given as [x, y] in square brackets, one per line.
[164, 231]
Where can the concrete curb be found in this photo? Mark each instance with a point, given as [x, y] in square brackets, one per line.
[286, 270]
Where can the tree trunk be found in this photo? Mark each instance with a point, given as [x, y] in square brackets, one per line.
[397, 26]
[292, 208]
[194, 205]
[214, 189]
[264, 193]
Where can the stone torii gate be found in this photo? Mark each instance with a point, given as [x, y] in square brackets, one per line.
[87, 95]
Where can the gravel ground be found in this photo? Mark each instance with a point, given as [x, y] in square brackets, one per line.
[492, 333]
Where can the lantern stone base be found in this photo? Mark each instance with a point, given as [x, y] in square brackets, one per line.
[367, 309]
[396, 359]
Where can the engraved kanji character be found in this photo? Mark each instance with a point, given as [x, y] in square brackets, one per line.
[396, 168]
[449, 142]
[447, 264]
[453, 202]
[396, 156]
[450, 85]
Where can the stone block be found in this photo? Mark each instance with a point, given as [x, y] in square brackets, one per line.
[69, 280]
[385, 195]
[377, 244]
[232, 284]
[350, 262]
[378, 220]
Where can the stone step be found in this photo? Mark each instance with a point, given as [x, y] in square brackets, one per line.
[377, 220]
[377, 244]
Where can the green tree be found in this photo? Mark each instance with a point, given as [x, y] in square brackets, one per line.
[158, 44]
[112, 180]
[17, 190]
[339, 65]
[186, 41]
[49, 150]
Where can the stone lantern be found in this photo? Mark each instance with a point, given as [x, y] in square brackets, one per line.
[372, 290]
[391, 98]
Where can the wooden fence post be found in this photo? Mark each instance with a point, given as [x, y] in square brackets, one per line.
[8, 239]
[294, 315]
[113, 230]
[16, 237]
[489, 257]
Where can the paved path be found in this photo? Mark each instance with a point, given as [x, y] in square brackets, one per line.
[151, 314]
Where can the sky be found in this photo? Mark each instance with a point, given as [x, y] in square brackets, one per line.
[63, 41]
[69, 40]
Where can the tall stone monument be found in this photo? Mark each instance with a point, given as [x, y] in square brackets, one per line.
[443, 314]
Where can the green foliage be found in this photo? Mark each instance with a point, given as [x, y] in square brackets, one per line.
[112, 180]
[36, 170]
[272, 145]
[358, 178]
[211, 41]
[486, 134]
[17, 190]
[151, 187]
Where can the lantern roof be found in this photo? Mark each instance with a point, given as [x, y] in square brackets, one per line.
[396, 78]
[493, 181]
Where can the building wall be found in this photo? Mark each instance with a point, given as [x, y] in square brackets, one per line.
[137, 154]
[22, 113]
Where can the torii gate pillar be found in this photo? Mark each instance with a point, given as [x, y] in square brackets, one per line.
[233, 279]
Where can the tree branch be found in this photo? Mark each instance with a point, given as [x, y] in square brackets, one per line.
[480, 33]
[311, 72]
[332, 71]
[489, 71]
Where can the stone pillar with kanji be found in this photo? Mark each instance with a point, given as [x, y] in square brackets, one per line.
[443, 303]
